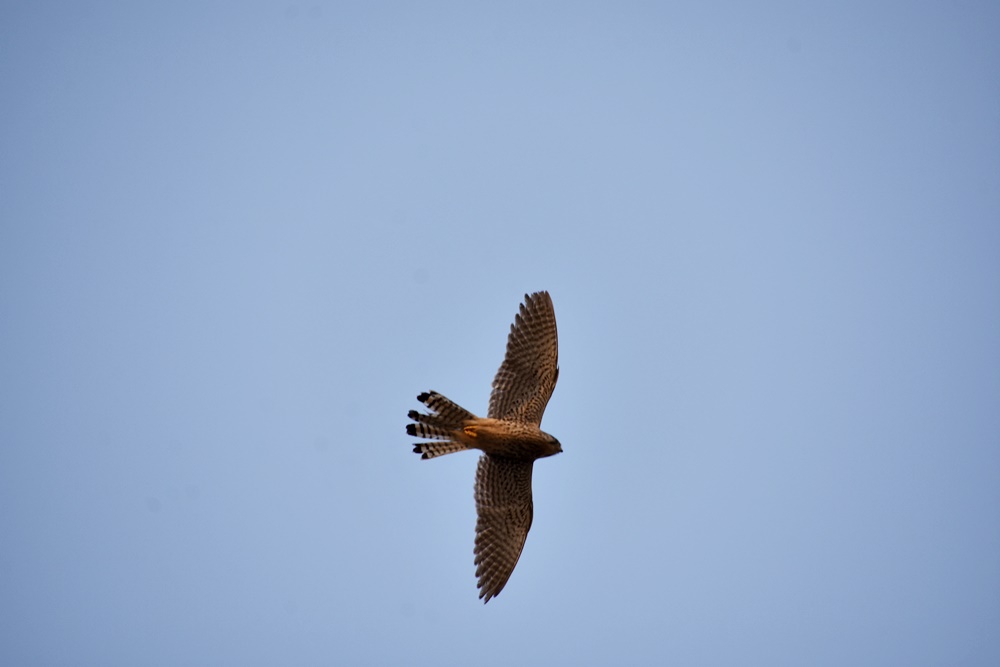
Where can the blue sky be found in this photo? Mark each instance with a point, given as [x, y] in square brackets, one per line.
[238, 239]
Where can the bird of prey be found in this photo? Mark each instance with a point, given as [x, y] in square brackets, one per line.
[509, 437]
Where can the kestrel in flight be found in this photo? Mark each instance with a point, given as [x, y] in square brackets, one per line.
[509, 437]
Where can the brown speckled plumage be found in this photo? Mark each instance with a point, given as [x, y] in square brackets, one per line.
[510, 439]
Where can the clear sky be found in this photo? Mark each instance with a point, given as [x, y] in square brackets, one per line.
[237, 240]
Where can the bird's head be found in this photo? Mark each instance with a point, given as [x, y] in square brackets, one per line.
[552, 446]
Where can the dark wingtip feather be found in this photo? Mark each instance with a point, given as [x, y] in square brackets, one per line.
[413, 414]
[411, 429]
[423, 397]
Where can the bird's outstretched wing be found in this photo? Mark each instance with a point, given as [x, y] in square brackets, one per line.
[504, 509]
[523, 385]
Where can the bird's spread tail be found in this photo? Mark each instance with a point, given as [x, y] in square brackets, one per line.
[445, 418]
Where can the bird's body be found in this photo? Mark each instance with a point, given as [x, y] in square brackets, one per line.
[495, 437]
[509, 437]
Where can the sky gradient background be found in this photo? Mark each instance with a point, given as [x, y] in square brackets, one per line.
[237, 240]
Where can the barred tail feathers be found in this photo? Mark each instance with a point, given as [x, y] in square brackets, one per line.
[430, 450]
[445, 418]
